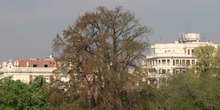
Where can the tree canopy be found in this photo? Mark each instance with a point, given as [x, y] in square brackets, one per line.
[101, 54]
[16, 95]
[103, 45]
[198, 87]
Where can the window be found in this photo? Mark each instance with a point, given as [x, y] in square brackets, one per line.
[177, 71]
[183, 62]
[45, 65]
[193, 62]
[163, 71]
[183, 71]
[192, 51]
[163, 62]
[34, 65]
[188, 62]
[173, 62]
[168, 62]
[188, 52]
[177, 62]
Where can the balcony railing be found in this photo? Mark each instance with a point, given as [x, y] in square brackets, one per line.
[168, 55]
[27, 70]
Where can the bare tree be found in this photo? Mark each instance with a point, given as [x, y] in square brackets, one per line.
[102, 47]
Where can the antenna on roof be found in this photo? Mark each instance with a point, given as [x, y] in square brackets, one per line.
[188, 28]
[203, 36]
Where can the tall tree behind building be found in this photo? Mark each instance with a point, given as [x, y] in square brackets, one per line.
[105, 45]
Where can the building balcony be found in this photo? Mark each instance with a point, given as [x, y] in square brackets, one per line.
[168, 55]
[167, 66]
[27, 70]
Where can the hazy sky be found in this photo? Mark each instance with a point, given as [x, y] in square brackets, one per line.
[27, 27]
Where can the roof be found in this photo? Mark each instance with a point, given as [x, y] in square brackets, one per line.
[36, 63]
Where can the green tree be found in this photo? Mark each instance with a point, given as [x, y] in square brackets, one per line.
[38, 93]
[198, 87]
[105, 45]
[189, 92]
[16, 95]
[205, 59]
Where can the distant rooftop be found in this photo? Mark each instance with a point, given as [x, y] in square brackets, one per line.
[189, 37]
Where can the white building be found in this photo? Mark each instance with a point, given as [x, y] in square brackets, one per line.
[27, 69]
[170, 58]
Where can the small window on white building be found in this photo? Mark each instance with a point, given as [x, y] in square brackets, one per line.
[163, 62]
[45, 65]
[188, 62]
[168, 62]
[192, 51]
[193, 62]
[177, 71]
[34, 65]
[177, 62]
[163, 71]
[183, 62]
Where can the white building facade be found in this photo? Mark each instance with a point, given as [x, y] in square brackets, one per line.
[171, 58]
[27, 69]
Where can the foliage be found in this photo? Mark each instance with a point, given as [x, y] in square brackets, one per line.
[188, 91]
[205, 59]
[103, 45]
[98, 51]
[198, 87]
[38, 93]
[17, 95]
